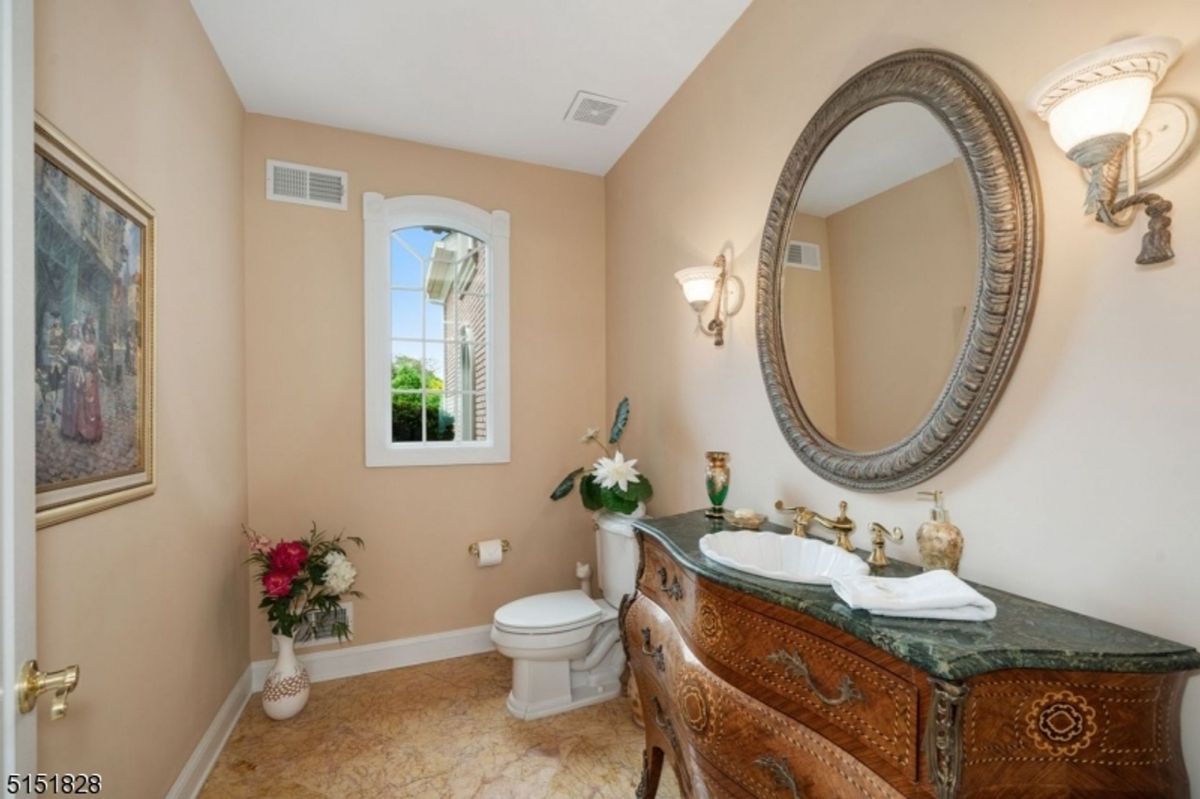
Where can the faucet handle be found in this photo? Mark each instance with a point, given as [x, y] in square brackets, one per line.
[879, 537]
[799, 521]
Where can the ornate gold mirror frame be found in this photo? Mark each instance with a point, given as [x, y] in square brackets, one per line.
[976, 115]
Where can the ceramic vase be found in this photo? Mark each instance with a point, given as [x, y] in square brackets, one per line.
[285, 692]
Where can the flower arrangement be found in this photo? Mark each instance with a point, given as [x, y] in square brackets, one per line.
[303, 578]
[612, 482]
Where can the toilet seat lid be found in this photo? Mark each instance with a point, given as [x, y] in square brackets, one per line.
[558, 611]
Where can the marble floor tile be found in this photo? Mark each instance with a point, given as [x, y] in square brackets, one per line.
[430, 732]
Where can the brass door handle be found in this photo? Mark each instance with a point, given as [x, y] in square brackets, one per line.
[795, 666]
[781, 773]
[655, 652]
[663, 722]
[34, 683]
[674, 589]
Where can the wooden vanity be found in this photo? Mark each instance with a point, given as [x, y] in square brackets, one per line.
[752, 687]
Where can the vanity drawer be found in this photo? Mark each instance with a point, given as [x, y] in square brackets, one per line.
[663, 579]
[765, 752]
[821, 681]
[818, 677]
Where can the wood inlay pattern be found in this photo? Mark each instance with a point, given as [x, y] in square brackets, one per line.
[885, 718]
[1070, 721]
[752, 730]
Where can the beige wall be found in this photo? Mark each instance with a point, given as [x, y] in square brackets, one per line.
[1080, 490]
[149, 598]
[907, 265]
[808, 325]
[305, 375]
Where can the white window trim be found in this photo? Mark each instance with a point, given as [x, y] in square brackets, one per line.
[381, 216]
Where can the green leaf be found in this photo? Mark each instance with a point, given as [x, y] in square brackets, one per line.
[589, 491]
[566, 486]
[615, 503]
[620, 419]
[637, 492]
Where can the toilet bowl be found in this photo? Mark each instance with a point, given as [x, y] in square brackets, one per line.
[565, 645]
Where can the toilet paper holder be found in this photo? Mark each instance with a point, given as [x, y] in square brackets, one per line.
[474, 548]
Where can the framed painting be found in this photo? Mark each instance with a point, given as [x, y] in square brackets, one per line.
[94, 242]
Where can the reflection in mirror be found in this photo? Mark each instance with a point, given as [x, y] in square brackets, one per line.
[881, 270]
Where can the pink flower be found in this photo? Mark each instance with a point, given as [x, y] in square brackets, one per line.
[257, 543]
[277, 583]
[288, 557]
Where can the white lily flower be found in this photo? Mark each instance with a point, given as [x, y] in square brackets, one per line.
[615, 471]
[589, 435]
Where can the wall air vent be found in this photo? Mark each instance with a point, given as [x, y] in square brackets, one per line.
[318, 631]
[306, 185]
[592, 109]
[803, 255]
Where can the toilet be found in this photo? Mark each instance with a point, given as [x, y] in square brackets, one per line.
[565, 645]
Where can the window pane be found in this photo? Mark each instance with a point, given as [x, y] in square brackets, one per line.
[439, 320]
[439, 419]
[435, 320]
[406, 314]
[435, 366]
[466, 366]
[470, 411]
[406, 417]
[472, 273]
[406, 365]
[407, 268]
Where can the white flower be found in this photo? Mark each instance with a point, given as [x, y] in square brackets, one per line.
[615, 471]
[339, 573]
[589, 435]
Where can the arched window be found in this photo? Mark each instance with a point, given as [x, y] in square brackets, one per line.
[435, 283]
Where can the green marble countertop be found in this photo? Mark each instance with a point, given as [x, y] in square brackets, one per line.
[1025, 634]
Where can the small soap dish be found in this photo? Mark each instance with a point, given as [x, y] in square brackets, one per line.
[751, 522]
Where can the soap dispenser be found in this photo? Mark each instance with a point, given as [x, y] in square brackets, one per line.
[939, 541]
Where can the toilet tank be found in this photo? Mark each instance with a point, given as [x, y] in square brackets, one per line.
[616, 547]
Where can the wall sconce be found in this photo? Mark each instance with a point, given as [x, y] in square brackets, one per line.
[701, 284]
[1100, 103]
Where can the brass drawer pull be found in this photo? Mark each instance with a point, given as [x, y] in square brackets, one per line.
[663, 722]
[780, 772]
[795, 666]
[655, 653]
[674, 590]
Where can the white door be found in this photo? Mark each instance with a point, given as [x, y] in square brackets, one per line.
[18, 745]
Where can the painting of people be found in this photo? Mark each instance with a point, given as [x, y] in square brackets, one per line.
[94, 338]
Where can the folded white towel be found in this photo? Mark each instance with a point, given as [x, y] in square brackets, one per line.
[935, 594]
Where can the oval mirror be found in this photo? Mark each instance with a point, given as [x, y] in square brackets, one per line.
[897, 272]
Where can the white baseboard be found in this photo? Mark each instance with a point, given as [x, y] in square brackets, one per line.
[204, 756]
[334, 664]
[330, 665]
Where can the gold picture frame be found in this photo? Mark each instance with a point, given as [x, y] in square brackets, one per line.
[95, 316]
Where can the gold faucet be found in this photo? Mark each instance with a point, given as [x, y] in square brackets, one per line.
[842, 526]
[879, 537]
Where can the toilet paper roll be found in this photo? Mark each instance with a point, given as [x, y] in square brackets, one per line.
[491, 552]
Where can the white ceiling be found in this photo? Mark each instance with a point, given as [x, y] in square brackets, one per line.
[887, 146]
[488, 76]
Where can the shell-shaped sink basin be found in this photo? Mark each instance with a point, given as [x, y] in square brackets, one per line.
[781, 557]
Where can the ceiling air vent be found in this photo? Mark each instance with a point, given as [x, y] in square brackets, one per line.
[804, 255]
[306, 185]
[592, 109]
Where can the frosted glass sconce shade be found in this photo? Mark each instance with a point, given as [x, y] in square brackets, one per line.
[703, 284]
[699, 283]
[1093, 106]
